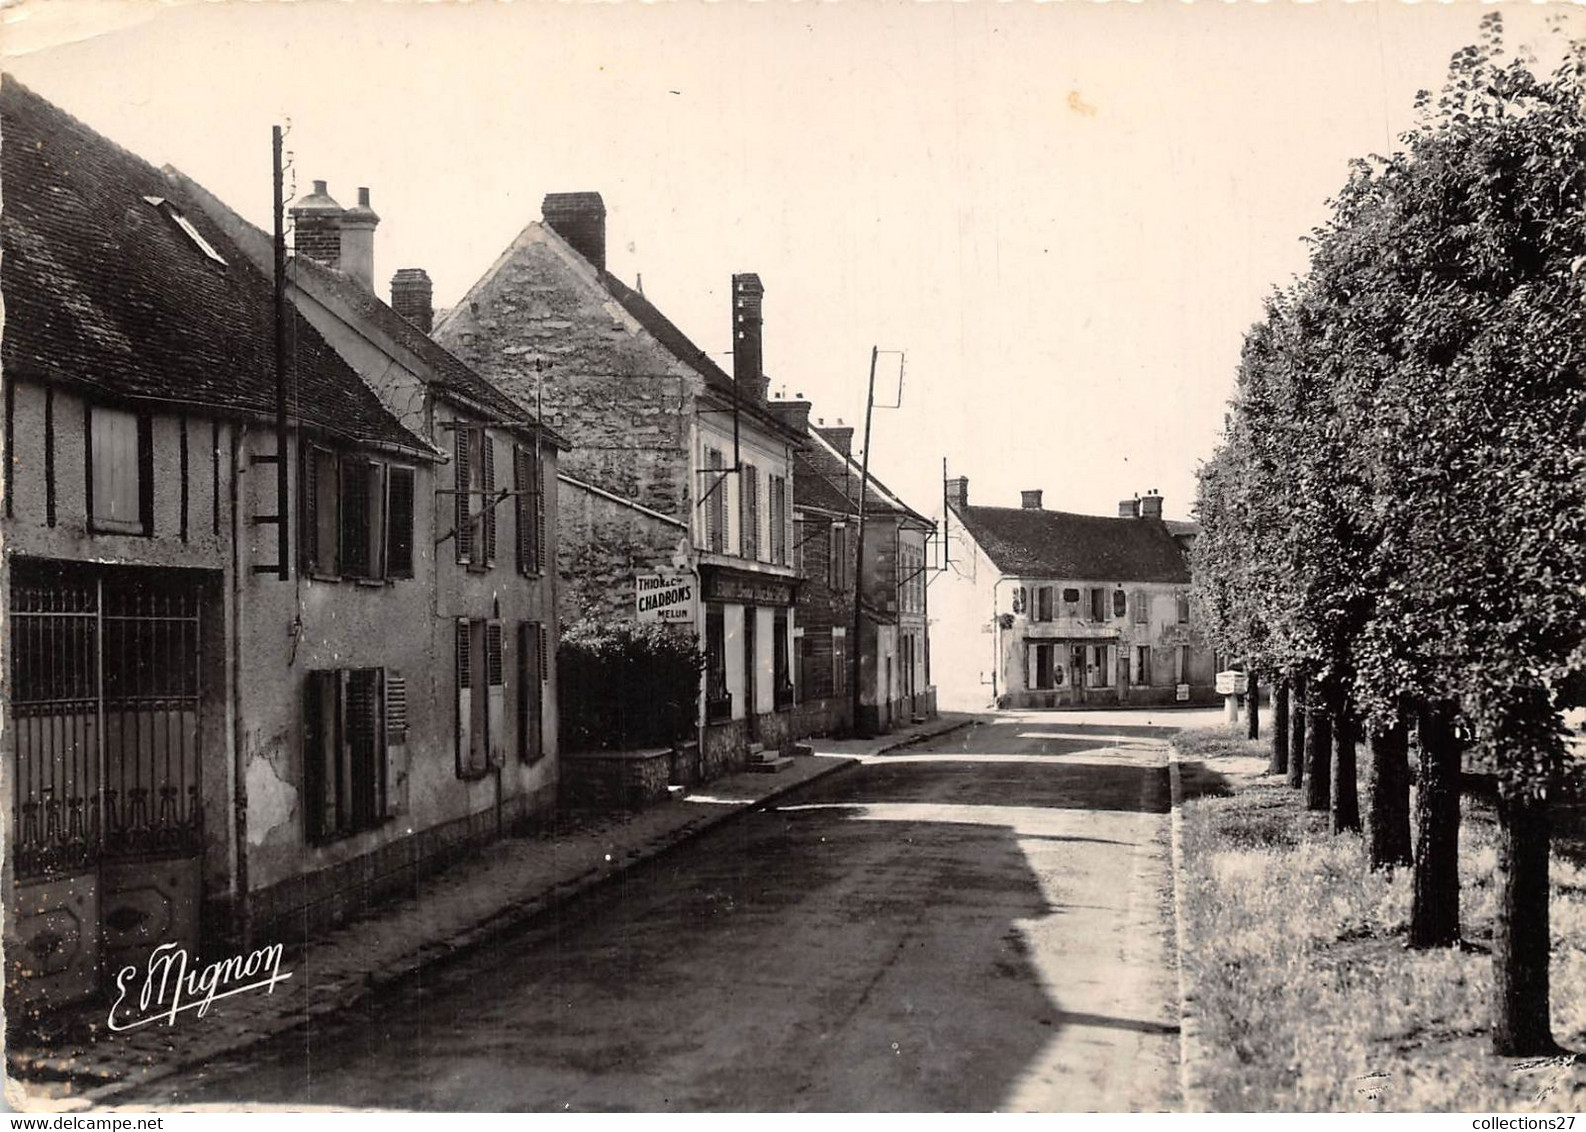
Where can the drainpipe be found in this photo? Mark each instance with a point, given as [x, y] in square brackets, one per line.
[241, 910]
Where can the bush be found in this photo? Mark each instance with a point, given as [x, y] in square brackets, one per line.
[627, 686]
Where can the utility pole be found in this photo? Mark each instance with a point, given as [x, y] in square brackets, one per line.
[283, 528]
[859, 550]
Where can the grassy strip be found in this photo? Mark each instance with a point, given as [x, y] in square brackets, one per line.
[1298, 975]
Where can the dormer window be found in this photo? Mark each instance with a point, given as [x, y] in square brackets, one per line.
[187, 228]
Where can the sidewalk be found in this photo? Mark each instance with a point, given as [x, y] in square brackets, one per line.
[510, 882]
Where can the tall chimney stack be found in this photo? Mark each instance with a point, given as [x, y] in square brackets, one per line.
[357, 241]
[316, 227]
[580, 219]
[413, 297]
[958, 492]
[747, 367]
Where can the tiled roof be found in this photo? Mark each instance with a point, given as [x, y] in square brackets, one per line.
[842, 477]
[448, 374]
[1030, 542]
[812, 489]
[105, 290]
[664, 331]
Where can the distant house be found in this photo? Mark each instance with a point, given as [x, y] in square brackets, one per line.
[1049, 609]
[893, 647]
[676, 487]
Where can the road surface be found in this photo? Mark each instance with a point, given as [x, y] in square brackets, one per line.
[982, 923]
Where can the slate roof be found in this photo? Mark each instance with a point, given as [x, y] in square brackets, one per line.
[1035, 543]
[104, 291]
[664, 331]
[823, 478]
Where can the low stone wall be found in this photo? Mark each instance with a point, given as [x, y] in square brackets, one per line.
[292, 910]
[615, 780]
[776, 731]
[832, 715]
[722, 749]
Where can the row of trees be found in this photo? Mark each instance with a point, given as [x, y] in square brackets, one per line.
[1394, 525]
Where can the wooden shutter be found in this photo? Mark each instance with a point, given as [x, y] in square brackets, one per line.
[531, 691]
[396, 740]
[464, 509]
[399, 524]
[307, 515]
[321, 748]
[365, 728]
[496, 682]
[530, 510]
[146, 473]
[749, 513]
[538, 467]
[487, 476]
[353, 542]
[465, 701]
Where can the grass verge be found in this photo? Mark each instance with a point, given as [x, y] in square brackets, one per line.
[1304, 993]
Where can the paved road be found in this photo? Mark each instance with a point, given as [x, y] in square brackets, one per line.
[979, 924]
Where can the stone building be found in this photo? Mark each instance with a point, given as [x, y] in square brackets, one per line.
[205, 738]
[893, 645]
[1050, 609]
[678, 476]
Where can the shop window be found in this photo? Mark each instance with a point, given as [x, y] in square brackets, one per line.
[781, 680]
[718, 701]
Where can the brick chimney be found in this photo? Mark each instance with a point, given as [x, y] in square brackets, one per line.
[840, 437]
[357, 242]
[958, 492]
[1151, 505]
[580, 219]
[316, 227]
[1030, 500]
[795, 413]
[1129, 508]
[413, 297]
[748, 369]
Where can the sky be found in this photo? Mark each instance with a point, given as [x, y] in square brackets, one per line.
[1064, 215]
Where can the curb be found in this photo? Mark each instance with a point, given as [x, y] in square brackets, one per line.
[1189, 1028]
[474, 937]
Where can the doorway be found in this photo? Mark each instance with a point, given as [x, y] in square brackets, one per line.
[751, 657]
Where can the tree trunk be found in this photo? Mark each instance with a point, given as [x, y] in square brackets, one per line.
[1318, 754]
[1346, 790]
[1388, 798]
[1253, 705]
[1280, 728]
[1434, 906]
[1297, 731]
[1521, 941]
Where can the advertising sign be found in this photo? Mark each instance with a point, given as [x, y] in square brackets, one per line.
[665, 597]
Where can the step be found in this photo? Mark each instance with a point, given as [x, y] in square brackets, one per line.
[773, 765]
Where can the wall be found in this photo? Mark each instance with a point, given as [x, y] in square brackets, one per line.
[601, 545]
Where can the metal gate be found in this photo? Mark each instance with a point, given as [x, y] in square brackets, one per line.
[107, 807]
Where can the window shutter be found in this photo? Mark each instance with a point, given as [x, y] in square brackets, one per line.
[487, 451]
[538, 467]
[396, 739]
[314, 745]
[749, 514]
[399, 524]
[354, 537]
[308, 519]
[146, 473]
[496, 678]
[465, 701]
[521, 517]
[1029, 665]
[464, 509]
[531, 692]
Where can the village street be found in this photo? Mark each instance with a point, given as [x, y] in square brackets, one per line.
[980, 923]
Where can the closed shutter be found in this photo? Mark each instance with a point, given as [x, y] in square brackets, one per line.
[496, 681]
[530, 511]
[465, 701]
[487, 451]
[366, 768]
[396, 743]
[749, 513]
[464, 510]
[146, 474]
[308, 522]
[399, 524]
[531, 692]
[321, 750]
[540, 551]
[1029, 665]
[355, 508]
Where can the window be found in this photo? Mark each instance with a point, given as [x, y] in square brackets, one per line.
[1183, 609]
[803, 661]
[1183, 664]
[1142, 607]
[476, 503]
[1101, 659]
[839, 660]
[749, 513]
[1098, 604]
[120, 472]
[355, 516]
[1071, 597]
[781, 681]
[1142, 664]
[1019, 599]
[528, 481]
[1040, 673]
[347, 715]
[1120, 604]
[532, 669]
[778, 487]
[481, 697]
[1043, 603]
[838, 573]
[718, 701]
[187, 228]
[715, 503]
